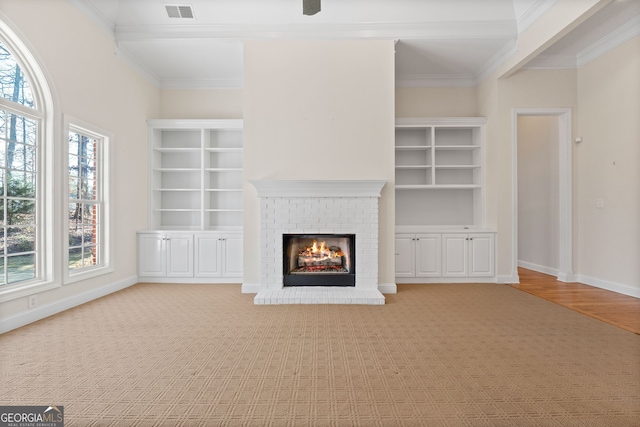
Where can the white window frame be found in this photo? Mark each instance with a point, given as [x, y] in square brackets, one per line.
[44, 113]
[104, 157]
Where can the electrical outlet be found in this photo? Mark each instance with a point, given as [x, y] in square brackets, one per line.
[33, 301]
[599, 203]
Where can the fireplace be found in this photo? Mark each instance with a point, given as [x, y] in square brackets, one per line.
[319, 259]
[344, 215]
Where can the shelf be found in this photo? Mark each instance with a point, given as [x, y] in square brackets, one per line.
[412, 147]
[176, 150]
[176, 170]
[178, 189]
[456, 147]
[223, 189]
[223, 210]
[438, 187]
[223, 149]
[176, 210]
[413, 167]
[457, 166]
[223, 169]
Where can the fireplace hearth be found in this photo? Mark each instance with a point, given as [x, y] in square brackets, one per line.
[318, 259]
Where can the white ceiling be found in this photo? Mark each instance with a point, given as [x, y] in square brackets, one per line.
[439, 42]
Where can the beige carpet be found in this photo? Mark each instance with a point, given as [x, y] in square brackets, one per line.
[434, 355]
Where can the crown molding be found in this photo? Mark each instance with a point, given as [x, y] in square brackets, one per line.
[534, 12]
[437, 30]
[90, 11]
[609, 42]
[131, 61]
[497, 60]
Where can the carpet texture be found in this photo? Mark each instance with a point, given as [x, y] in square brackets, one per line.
[433, 355]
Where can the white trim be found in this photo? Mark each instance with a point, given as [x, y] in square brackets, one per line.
[609, 42]
[105, 183]
[539, 268]
[388, 288]
[320, 188]
[440, 121]
[565, 232]
[41, 312]
[428, 280]
[609, 286]
[506, 280]
[497, 60]
[535, 11]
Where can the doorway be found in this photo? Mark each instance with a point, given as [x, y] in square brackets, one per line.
[541, 203]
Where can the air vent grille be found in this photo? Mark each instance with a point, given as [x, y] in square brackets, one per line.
[179, 11]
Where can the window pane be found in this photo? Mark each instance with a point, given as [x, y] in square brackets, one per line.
[15, 87]
[73, 165]
[90, 256]
[89, 147]
[90, 235]
[20, 239]
[2, 242]
[88, 189]
[74, 188]
[21, 212]
[21, 267]
[89, 214]
[21, 129]
[75, 258]
[2, 282]
[88, 168]
[24, 157]
[21, 184]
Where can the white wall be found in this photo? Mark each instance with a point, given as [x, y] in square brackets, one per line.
[608, 159]
[92, 84]
[318, 110]
[538, 193]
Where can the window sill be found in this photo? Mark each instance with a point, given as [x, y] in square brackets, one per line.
[87, 274]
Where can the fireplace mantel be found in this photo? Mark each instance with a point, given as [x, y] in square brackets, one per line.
[318, 188]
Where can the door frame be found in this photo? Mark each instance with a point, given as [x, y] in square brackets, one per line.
[565, 193]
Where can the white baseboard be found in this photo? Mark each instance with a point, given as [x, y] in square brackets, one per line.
[508, 280]
[539, 268]
[388, 288]
[38, 313]
[609, 286]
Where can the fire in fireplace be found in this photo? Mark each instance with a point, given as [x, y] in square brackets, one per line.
[319, 259]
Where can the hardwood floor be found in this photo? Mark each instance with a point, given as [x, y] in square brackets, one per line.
[616, 309]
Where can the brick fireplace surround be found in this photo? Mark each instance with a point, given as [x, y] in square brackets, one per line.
[318, 207]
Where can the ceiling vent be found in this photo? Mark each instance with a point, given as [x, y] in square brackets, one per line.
[179, 11]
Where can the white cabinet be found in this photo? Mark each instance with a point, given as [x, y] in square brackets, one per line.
[218, 255]
[418, 255]
[195, 178]
[165, 255]
[179, 257]
[439, 177]
[468, 255]
[445, 257]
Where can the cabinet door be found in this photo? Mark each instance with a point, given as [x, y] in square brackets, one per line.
[233, 266]
[151, 255]
[455, 255]
[179, 255]
[208, 255]
[428, 255]
[405, 255]
[481, 255]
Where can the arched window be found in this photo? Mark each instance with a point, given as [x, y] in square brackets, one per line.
[26, 175]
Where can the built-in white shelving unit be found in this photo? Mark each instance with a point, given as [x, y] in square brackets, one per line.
[440, 230]
[439, 176]
[196, 174]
